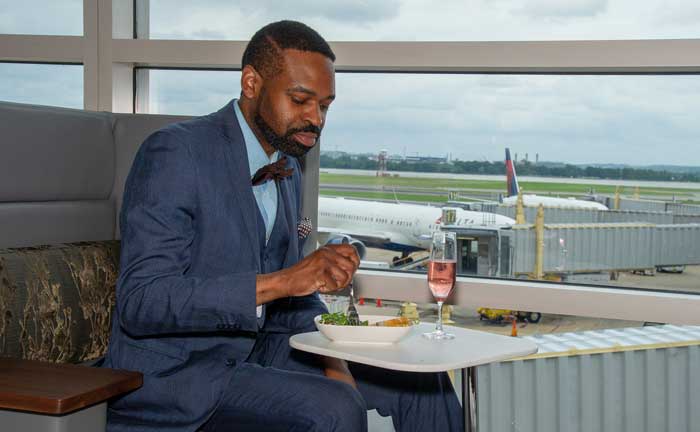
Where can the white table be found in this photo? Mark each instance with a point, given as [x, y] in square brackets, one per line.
[418, 354]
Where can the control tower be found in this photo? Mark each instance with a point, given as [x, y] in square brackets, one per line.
[381, 163]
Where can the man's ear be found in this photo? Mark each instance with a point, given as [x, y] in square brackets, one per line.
[251, 82]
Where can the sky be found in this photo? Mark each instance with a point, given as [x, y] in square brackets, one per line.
[638, 120]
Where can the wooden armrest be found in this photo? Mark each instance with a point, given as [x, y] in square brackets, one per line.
[50, 388]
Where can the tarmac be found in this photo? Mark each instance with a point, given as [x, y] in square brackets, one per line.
[469, 318]
[688, 281]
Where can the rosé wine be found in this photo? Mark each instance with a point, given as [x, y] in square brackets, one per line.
[441, 278]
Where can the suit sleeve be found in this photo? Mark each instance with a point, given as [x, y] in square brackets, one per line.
[155, 295]
[294, 314]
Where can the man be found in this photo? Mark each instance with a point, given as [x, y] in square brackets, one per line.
[213, 282]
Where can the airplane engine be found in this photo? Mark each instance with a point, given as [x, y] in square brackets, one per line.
[345, 239]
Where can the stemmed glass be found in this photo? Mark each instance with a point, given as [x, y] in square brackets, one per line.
[441, 275]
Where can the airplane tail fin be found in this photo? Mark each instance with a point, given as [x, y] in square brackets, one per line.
[511, 178]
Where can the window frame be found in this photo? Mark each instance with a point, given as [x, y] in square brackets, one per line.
[110, 56]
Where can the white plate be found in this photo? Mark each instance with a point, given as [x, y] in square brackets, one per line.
[363, 334]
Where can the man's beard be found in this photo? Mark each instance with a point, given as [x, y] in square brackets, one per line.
[286, 143]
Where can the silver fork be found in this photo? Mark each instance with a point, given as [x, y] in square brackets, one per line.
[351, 314]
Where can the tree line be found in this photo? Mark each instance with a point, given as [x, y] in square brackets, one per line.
[524, 168]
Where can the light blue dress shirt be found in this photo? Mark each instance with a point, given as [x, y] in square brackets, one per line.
[266, 193]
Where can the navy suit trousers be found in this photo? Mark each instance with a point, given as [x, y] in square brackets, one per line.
[281, 389]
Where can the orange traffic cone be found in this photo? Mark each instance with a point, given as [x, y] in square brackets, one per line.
[514, 328]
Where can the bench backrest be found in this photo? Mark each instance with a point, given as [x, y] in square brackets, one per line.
[62, 171]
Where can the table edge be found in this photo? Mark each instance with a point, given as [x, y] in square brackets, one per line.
[427, 368]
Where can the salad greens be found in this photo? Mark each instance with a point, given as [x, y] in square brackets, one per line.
[338, 318]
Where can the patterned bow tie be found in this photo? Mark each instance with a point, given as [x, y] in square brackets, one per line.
[273, 171]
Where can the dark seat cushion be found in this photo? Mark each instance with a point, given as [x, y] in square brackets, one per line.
[56, 301]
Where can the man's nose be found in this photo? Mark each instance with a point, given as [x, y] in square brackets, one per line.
[314, 115]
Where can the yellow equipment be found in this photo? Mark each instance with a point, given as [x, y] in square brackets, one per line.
[497, 316]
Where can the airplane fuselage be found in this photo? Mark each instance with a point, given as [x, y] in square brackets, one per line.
[402, 227]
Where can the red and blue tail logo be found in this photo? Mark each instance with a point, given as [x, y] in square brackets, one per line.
[511, 179]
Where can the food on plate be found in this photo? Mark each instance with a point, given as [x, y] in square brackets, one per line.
[339, 318]
[394, 322]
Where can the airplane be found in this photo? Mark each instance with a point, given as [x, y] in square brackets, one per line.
[535, 200]
[403, 228]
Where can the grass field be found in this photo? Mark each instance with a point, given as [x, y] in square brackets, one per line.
[496, 186]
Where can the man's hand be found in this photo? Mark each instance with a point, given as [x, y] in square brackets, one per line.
[337, 369]
[328, 269]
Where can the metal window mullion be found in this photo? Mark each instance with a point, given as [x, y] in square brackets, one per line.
[310, 197]
[108, 86]
[90, 55]
[121, 84]
[142, 77]
[142, 19]
[625, 56]
[41, 49]
[104, 40]
[590, 57]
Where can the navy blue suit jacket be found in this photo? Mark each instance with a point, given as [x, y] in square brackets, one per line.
[185, 313]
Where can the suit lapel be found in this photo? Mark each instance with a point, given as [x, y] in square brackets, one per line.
[239, 172]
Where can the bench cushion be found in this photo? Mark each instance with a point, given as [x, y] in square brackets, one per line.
[51, 154]
[56, 301]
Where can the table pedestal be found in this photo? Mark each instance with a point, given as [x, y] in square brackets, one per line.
[469, 398]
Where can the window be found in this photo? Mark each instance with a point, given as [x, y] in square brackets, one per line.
[43, 84]
[574, 137]
[188, 92]
[404, 20]
[42, 17]
[443, 135]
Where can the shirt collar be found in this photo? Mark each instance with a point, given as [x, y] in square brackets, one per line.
[257, 158]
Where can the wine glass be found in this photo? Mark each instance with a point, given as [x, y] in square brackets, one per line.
[441, 275]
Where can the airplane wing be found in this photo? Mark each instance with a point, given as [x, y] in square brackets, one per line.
[472, 198]
[375, 237]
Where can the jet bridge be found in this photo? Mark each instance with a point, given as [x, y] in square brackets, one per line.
[569, 249]
[605, 247]
[577, 215]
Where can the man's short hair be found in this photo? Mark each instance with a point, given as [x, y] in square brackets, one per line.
[264, 51]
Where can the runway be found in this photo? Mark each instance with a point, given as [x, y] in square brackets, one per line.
[417, 186]
[587, 181]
